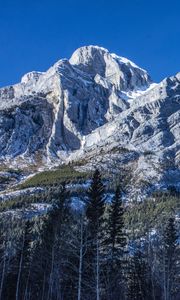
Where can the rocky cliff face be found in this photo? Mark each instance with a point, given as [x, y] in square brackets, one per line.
[94, 103]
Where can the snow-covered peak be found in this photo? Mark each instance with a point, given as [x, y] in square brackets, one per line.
[85, 54]
[91, 108]
[117, 70]
[93, 61]
[126, 61]
[31, 76]
[90, 59]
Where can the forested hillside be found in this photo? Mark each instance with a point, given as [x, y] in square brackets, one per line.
[93, 248]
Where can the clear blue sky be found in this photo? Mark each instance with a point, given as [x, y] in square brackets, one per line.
[34, 34]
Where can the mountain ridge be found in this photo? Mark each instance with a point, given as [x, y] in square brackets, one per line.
[92, 103]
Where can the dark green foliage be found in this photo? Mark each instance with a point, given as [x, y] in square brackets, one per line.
[50, 247]
[94, 213]
[96, 205]
[126, 252]
[116, 239]
[169, 258]
[170, 238]
[141, 217]
[138, 284]
[114, 247]
[47, 195]
[46, 178]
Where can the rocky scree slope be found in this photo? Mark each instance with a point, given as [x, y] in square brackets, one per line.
[95, 109]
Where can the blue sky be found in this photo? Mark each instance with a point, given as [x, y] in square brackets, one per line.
[35, 34]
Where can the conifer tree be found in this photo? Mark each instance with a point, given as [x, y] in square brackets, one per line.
[50, 251]
[116, 239]
[138, 285]
[94, 213]
[96, 205]
[170, 259]
[114, 245]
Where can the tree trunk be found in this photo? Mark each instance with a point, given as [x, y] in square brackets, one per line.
[97, 269]
[3, 273]
[80, 262]
[51, 275]
[164, 286]
[44, 280]
[20, 267]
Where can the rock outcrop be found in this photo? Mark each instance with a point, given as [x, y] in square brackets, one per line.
[91, 104]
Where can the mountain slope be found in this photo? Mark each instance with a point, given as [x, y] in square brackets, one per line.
[90, 108]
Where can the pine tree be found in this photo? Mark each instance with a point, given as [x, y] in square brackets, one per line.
[114, 245]
[116, 239]
[96, 205]
[94, 213]
[169, 258]
[138, 284]
[49, 256]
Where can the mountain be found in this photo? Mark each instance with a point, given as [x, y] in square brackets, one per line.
[95, 109]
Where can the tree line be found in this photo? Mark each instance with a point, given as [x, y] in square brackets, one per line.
[87, 253]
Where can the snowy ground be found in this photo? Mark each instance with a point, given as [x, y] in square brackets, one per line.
[9, 195]
[35, 209]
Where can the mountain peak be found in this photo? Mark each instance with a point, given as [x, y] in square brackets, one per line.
[34, 75]
[89, 108]
[119, 71]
